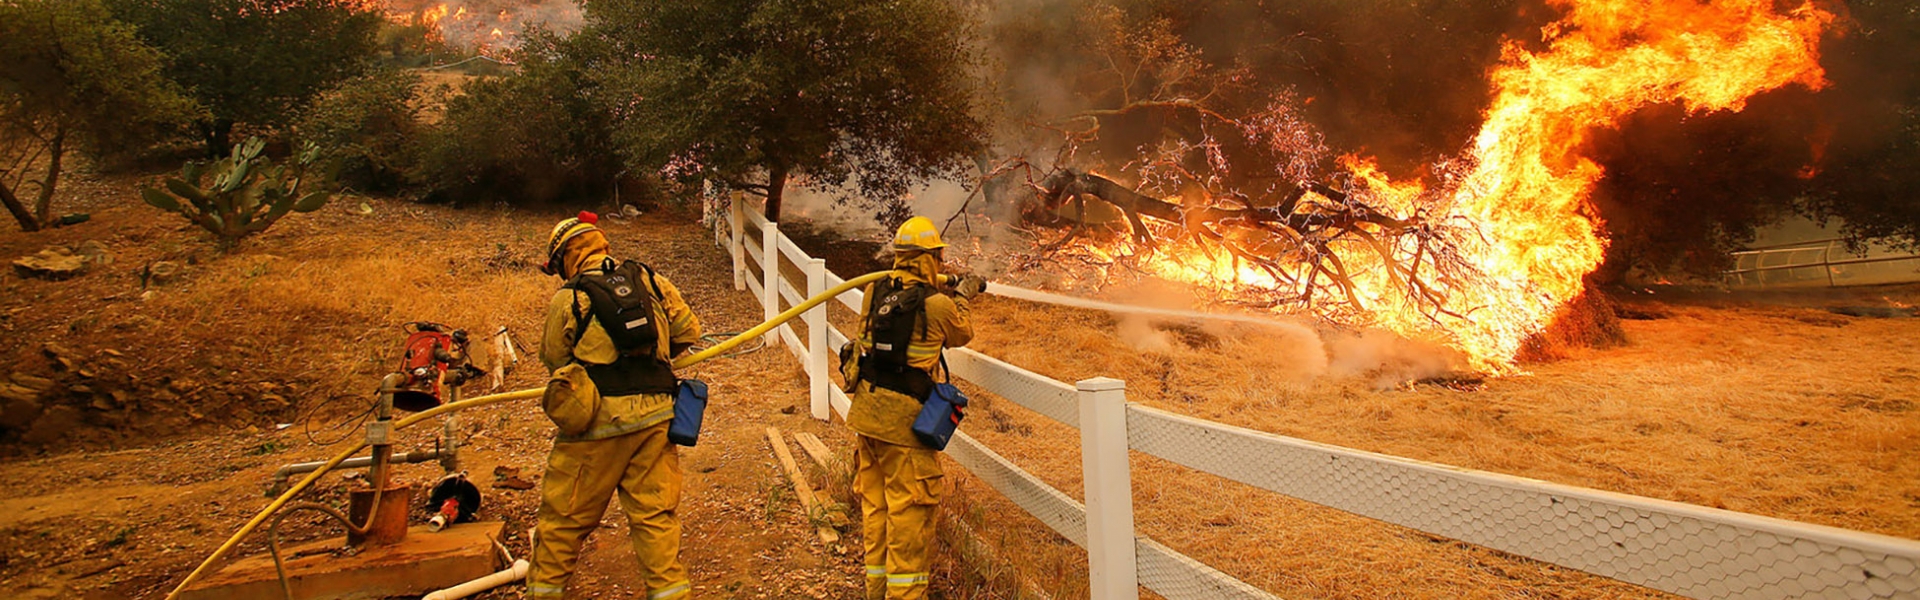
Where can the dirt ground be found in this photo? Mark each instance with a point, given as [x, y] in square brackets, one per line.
[167, 401]
[128, 494]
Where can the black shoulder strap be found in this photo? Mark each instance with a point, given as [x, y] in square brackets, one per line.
[579, 316]
[653, 281]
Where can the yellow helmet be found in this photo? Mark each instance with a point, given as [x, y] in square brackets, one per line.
[917, 233]
[566, 230]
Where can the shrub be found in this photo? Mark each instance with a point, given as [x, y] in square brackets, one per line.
[532, 136]
[367, 124]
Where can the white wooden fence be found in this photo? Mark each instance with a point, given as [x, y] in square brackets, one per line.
[1689, 550]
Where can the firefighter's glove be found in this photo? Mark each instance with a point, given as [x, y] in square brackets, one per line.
[970, 286]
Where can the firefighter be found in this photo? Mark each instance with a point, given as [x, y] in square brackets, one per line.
[623, 446]
[908, 319]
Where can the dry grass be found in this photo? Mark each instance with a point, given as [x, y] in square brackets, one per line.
[1786, 412]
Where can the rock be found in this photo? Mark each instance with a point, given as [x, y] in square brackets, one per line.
[102, 403]
[162, 272]
[81, 389]
[54, 263]
[272, 403]
[182, 386]
[38, 384]
[55, 424]
[96, 253]
[514, 483]
[61, 356]
[18, 393]
[17, 414]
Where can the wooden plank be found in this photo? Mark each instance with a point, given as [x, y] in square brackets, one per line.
[800, 486]
[815, 449]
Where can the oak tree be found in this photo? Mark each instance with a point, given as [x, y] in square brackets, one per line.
[73, 79]
[757, 93]
[255, 61]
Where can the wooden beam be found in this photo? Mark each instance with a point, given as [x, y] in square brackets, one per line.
[815, 449]
[801, 488]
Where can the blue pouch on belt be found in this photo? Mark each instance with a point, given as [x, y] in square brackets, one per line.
[941, 413]
[689, 407]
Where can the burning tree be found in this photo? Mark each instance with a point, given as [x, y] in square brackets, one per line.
[1481, 254]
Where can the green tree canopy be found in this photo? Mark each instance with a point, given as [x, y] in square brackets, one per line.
[72, 77]
[753, 92]
[532, 136]
[255, 61]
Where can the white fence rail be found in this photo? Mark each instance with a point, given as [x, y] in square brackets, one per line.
[1689, 550]
[1820, 263]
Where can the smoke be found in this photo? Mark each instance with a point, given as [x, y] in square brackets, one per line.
[1139, 333]
[1386, 360]
[1380, 359]
[1288, 350]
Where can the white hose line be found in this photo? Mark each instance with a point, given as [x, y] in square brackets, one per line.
[518, 572]
[1020, 293]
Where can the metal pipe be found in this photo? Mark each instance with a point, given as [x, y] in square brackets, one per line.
[281, 476]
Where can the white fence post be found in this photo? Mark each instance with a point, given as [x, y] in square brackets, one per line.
[817, 338]
[739, 243]
[709, 211]
[1111, 566]
[770, 277]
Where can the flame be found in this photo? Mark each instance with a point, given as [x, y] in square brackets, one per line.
[1516, 203]
[482, 26]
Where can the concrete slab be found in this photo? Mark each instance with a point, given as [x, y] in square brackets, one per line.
[425, 562]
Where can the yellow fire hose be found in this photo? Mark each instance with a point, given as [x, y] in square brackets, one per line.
[682, 362]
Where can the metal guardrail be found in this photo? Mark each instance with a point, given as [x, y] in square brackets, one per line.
[1814, 264]
[1680, 548]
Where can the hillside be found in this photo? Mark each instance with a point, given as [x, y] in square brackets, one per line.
[174, 400]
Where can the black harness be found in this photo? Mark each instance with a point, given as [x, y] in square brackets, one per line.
[624, 308]
[897, 311]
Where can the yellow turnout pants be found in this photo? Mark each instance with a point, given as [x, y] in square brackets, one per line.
[581, 476]
[899, 489]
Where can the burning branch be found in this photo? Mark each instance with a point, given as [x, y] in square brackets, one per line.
[1281, 240]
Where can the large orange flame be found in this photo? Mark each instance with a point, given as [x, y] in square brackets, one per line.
[1527, 188]
[1520, 191]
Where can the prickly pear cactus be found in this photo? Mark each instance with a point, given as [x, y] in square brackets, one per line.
[239, 195]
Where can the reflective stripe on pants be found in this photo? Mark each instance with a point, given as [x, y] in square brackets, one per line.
[899, 489]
